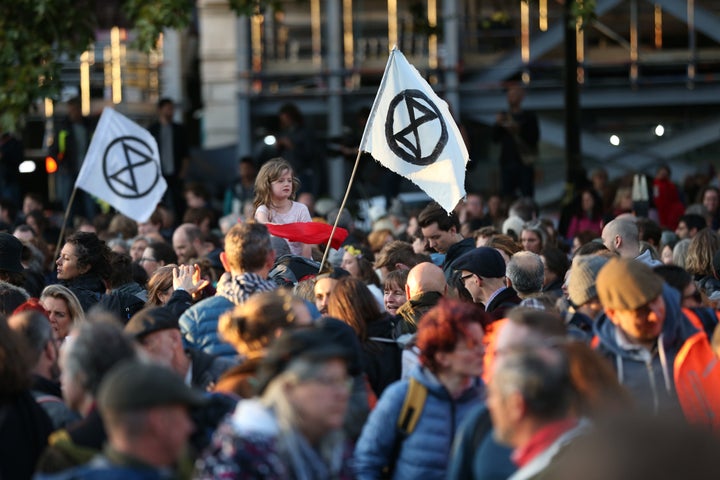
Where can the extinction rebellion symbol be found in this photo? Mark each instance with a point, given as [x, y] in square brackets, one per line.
[129, 167]
[420, 134]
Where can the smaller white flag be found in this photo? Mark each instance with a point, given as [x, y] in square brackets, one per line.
[411, 132]
[122, 167]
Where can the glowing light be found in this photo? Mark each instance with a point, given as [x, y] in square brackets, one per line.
[51, 165]
[28, 166]
[659, 130]
[614, 140]
[270, 140]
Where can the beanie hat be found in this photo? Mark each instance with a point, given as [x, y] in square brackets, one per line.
[625, 284]
[583, 273]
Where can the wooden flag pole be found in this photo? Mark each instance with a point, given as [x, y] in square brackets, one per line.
[64, 224]
[342, 206]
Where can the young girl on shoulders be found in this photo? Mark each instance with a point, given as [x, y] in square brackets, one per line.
[275, 189]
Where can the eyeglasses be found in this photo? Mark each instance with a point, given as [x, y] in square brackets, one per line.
[464, 278]
[147, 259]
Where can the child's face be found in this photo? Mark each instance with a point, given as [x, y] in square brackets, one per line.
[283, 186]
[350, 263]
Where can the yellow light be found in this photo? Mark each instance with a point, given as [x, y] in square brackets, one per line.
[543, 16]
[85, 83]
[50, 165]
[116, 67]
[658, 26]
[432, 41]
[316, 24]
[525, 31]
[348, 34]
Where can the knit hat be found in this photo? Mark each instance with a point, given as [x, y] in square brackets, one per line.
[583, 274]
[625, 284]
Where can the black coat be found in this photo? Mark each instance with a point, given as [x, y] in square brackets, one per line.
[24, 430]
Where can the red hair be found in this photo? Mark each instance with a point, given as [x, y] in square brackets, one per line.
[440, 329]
[31, 304]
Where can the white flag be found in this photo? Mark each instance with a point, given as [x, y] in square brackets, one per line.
[122, 167]
[411, 132]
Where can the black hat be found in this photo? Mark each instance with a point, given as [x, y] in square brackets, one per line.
[309, 343]
[344, 335]
[149, 320]
[10, 253]
[134, 385]
[483, 262]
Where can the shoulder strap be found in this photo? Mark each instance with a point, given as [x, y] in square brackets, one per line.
[412, 406]
[47, 399]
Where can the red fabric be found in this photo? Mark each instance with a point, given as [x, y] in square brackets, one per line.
[542, 439]
[668, 204]
[311, 233]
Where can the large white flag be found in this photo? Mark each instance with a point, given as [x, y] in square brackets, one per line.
[411, 132]
[122, 167]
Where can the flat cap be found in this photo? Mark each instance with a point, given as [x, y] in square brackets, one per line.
[483, 262]
[134, 385]
[149, 320]
[624, 284]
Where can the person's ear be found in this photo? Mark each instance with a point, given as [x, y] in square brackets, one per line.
[611, 314]
[223, 260]
[407, 291]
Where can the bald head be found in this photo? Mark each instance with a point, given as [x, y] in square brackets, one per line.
[621, 236]
[425, 277]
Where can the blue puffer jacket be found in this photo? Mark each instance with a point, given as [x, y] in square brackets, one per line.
[426, 451]
[199, 326]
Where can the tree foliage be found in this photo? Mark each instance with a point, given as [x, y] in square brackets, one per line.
[35, 35]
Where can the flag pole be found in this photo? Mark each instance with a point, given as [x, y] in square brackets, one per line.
[62, 229]
[342, 206]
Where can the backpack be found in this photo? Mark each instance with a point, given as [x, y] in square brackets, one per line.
[291, 269]
[412, 408]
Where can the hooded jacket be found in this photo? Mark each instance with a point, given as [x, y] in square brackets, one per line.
[663, 380]
[425, 452]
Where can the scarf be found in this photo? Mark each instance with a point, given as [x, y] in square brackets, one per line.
[237, 289]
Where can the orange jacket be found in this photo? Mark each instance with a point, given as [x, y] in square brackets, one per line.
[696, 372]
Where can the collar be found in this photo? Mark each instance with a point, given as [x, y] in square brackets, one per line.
[495, 294]
[541, 440]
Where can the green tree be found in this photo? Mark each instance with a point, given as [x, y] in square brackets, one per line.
[36, 35]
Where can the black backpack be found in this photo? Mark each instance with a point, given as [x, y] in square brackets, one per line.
[291, 269]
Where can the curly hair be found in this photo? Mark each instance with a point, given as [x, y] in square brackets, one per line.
[443, 326]
[700, 253]
[270, 172]
[91, 252]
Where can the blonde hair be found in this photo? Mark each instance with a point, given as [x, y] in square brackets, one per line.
[77, 314]
[270, 172]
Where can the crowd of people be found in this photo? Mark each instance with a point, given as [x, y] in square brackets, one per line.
[487, 343]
